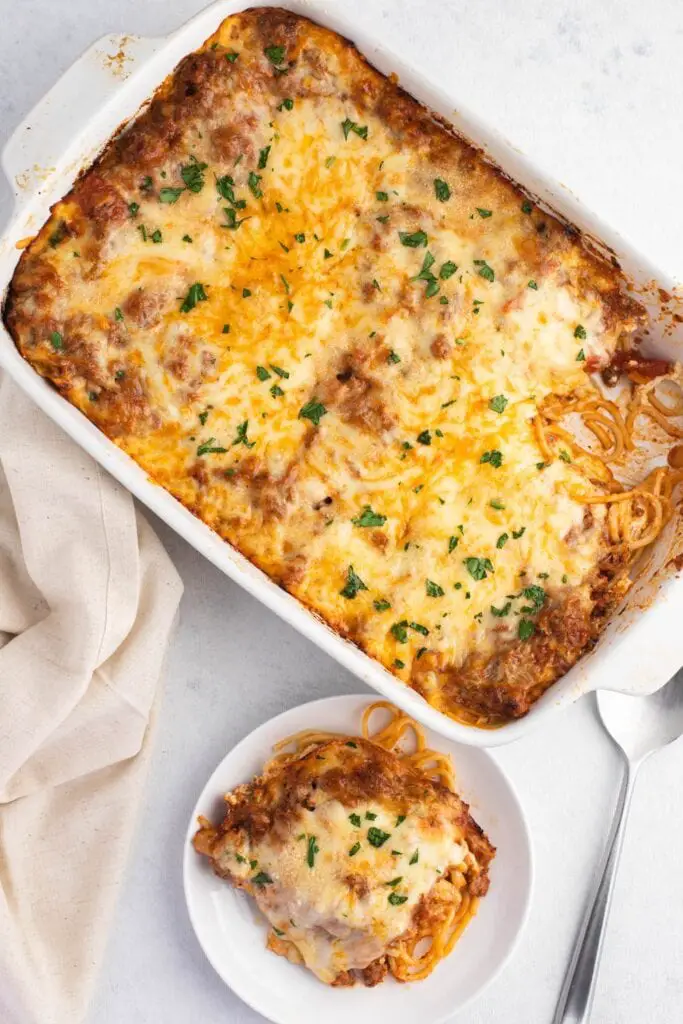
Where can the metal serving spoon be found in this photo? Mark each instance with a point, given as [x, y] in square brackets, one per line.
[639, 726]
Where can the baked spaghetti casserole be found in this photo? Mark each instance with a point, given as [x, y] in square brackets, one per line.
[344, 340]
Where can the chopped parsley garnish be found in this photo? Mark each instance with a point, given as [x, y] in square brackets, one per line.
[276, 391]
[209, 447]
[263, 878]
[313, 411]
[225, 187]
[447, 270]
[370, 816]
[394, 882]
[581, 357]
[232, 56]
[193, 174]
[262, 373]
[393, 357]
[156, 236]
[313, 848]
[519, 533]
[226, 329]
[143, 231]
[241, 436]
[354, 849]
[232, 223]
[433, 589]
[369, 518]
[382, 605]
[146, 184]
[525, 629]
[564, 455]
[398, 663]
[502, 540]
[118, 315]
[253, 181]
[133, 209]
[498, 403]
[493, 457]
[376, 837]
[424, 438]
[382, 197]
[580, 332]
[187, 238]
[414, 859]
[353, 585]
[535, 594]
[301, 237]
[414, 240]
[330, 160]
[397, 900]
[484, 213]
[441, 190]
[349, 126]
[203, 417]
[500, 613]
[285, 282]
[327, 255]
[533, 286]
[278, 932]
[526, 206]
[57, 341]
[484, 270]
[263, 157]
[478, 568]
[286, 104]
[419, 628]
[399, 631]
[196, 293]
[275, 54]
[399, 821]
[279, 371]
[452, 544]
[355, 820]
[497, 504]
[246, 293]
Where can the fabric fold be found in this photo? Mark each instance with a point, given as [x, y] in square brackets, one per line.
[88, 598]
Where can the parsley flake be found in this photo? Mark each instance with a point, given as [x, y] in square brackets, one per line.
[369, 518]
[442, 190]
[313, 411]
[353, 585]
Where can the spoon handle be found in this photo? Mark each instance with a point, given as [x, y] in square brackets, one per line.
[578, 989]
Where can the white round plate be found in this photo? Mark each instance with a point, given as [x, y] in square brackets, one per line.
[232, 932]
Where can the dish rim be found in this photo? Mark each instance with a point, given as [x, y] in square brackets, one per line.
[619, 652]
[352, 701]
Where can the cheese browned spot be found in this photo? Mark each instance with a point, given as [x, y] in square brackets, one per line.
[348, 850]
[280, 348]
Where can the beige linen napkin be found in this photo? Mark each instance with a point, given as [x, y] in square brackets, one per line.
[87, 601]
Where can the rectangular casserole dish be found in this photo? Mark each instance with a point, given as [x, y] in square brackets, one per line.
[151, 61]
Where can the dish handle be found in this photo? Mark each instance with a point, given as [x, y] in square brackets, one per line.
[44, 137]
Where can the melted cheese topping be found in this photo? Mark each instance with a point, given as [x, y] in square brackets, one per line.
[341, 352]
[333, 926]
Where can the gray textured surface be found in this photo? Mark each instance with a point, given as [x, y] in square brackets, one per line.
[592, 93]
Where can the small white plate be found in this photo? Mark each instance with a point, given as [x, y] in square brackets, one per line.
[232, 932]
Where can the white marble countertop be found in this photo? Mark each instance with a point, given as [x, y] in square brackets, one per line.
[591, 92]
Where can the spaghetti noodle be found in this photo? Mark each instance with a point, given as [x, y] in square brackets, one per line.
[635, 515]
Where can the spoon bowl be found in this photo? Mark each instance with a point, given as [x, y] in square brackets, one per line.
[642, 725]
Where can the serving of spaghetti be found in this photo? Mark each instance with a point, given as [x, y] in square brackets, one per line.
[358, 851]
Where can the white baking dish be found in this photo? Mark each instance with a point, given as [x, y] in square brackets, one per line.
[641, 648]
